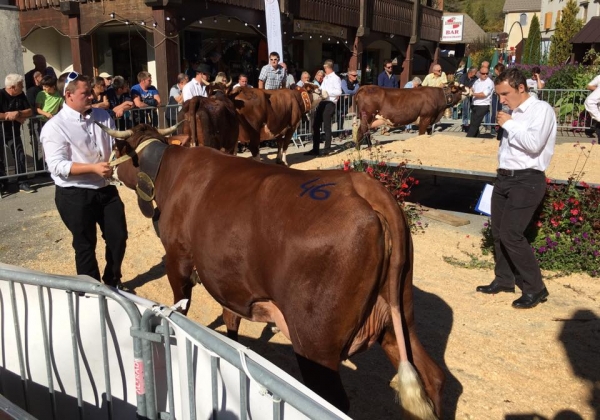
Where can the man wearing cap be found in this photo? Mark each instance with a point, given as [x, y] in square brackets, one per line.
[108, 79]
[349, 87]
[197, 86]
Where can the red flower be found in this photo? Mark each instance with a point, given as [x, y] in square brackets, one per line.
[554, 222]
[347, 165]
[574, 212]
[584, 184]
[369, 170]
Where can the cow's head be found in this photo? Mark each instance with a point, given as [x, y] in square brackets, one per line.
[128, 146]
[218, 86]
[315, 94]
[465, 91]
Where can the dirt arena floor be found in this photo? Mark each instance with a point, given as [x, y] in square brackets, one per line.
[501, 363]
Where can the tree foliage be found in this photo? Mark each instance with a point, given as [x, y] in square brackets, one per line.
[532, 52]
[566, 28]
[469, 8]
[480, 17]
[452, 5]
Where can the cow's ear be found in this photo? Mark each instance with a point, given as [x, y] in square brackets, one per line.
[121, 147]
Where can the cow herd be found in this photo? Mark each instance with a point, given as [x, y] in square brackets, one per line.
[325, 255]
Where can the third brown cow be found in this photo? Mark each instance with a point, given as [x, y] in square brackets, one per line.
[377, 106]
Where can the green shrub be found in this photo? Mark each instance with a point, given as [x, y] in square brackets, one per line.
[565, 233]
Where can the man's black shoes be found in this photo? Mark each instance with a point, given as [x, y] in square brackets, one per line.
[494, 287]
[312, 153]
[24, 187]
[531, 300]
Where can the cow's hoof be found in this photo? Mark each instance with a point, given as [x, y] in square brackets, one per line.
[281, 162]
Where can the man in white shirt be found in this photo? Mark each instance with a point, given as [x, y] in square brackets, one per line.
[594, 83]
[592, 106]
[332, 84]
[197, 86]
[77, 153]
[242, 81]
[482, 99]
[526, 148]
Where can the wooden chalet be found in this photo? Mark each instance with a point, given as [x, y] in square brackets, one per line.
[126, 36]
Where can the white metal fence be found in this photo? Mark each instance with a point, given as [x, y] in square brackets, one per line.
[22, 153]
[72, 348]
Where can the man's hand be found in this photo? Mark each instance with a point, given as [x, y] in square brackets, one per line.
[103, 169]
[11, 116]
[118, 112]
[502, 118]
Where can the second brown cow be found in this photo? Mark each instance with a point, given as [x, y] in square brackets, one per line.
[273, 114]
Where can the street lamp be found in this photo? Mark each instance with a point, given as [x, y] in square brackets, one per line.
[510, 30]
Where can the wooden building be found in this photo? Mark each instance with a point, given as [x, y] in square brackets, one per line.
[126, 36]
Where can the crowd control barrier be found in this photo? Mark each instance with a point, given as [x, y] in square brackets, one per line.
[72, 348]
[22, 155]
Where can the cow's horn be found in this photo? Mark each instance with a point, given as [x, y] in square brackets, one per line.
[115, 133]
[169, 130]
[230, 82]
[206, 83]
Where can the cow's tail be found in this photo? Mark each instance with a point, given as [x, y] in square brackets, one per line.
[414, 401]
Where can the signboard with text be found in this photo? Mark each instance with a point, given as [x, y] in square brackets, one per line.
[452, 28]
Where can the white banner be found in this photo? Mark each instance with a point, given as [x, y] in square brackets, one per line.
[452, 28]
[273, 19]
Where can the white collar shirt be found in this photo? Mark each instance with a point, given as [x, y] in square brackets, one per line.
[483, 86]
[70, 138]
[529, 137]
[592, 104]
[193, 88]
[332, 84]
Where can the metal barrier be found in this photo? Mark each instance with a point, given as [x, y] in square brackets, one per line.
[21, 153]
[74, 348]
[568, 105]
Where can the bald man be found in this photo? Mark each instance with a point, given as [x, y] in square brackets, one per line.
[437, 78]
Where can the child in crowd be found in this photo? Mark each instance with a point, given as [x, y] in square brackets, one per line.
[48, 102]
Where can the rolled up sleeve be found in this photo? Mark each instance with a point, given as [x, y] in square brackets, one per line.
[56, 151]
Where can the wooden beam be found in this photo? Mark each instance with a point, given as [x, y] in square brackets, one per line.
[166, 52]
[81, 48]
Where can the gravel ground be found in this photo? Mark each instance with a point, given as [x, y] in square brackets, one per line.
[500, 362]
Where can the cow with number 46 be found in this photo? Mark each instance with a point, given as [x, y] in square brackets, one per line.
[335, 286]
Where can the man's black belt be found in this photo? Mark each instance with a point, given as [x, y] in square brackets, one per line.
[515, 172]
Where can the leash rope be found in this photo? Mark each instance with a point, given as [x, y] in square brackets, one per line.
[128, 156]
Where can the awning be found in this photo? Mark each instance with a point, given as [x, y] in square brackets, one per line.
[589, 34]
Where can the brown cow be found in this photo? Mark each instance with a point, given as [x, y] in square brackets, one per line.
[211, 122]
[377, 106]
[336, 285]
[273, 114]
